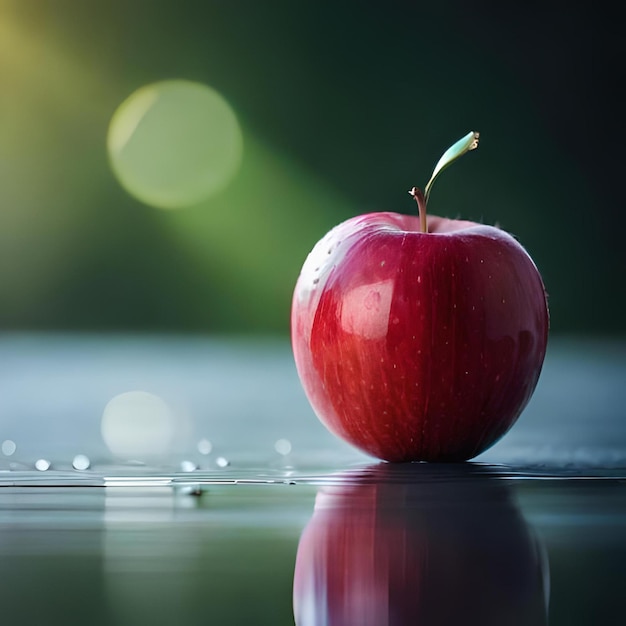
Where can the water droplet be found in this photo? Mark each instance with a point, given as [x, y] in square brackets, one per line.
[188, 466]
[42, 465]
[222, 462]
[283, 446]
[204, 446]
[190, 490]
[81, 462]
[8, 447]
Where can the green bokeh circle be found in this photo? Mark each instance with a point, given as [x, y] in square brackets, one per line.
[174, 143]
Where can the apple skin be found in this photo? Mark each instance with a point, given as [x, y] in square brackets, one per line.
[418, 346]
[384, 549]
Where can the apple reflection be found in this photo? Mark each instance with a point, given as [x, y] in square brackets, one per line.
[416, 545]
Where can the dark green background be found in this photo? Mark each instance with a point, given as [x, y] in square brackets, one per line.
[355, 100]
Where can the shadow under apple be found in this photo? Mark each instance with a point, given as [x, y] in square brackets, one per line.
[420, 545]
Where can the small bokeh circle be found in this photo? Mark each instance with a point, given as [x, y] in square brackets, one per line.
[137, 425]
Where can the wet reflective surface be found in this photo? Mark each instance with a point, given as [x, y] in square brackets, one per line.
[292, 526]
[376, 545]
[420, 545]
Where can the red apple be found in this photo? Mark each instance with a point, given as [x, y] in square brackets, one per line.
[419, 339]
[387, 549]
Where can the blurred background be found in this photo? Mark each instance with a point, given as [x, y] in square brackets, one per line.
[312, 112]
[165, 168]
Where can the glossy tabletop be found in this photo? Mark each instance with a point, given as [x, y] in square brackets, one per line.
[277, 522]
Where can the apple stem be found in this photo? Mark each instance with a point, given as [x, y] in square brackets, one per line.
[421, 207]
